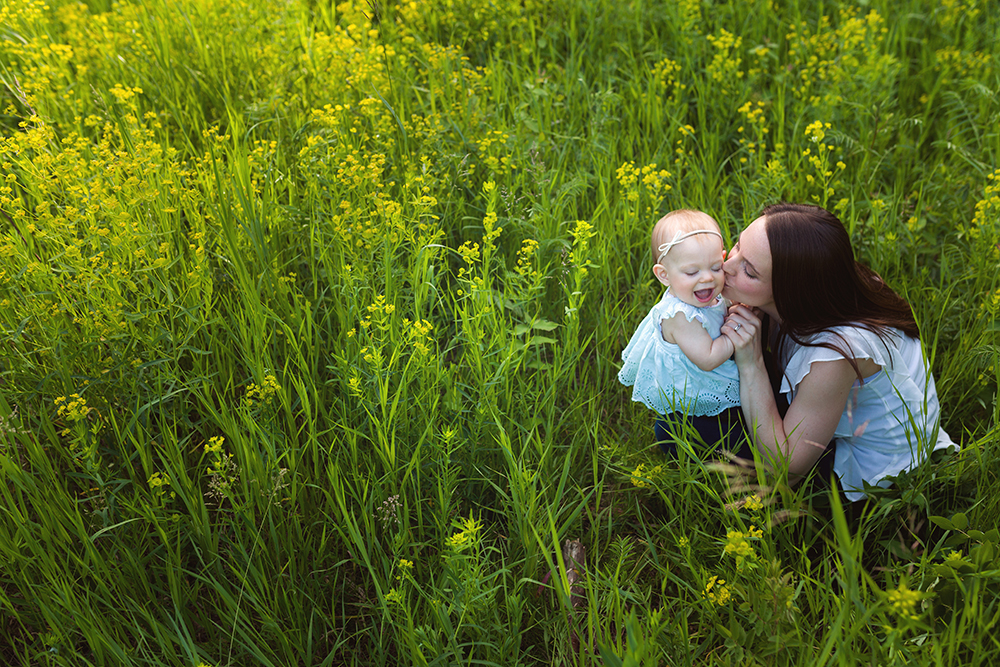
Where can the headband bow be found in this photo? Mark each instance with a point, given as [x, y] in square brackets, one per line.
[678, 237]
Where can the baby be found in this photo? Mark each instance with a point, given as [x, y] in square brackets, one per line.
[677, 360]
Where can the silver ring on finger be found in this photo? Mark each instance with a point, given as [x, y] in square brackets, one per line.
[737, 327]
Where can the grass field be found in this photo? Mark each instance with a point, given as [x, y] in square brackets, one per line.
[311, 318]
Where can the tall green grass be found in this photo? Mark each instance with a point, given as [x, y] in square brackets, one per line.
[312, 316]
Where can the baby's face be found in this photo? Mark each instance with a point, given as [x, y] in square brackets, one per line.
[693, 270]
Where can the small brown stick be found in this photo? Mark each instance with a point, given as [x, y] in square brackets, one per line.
[574, 558]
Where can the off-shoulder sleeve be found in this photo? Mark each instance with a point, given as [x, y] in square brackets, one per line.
[856, 342]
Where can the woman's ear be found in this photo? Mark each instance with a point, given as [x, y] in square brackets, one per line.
[661, 274]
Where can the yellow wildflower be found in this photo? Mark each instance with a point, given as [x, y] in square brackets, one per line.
[903, 601]
[717, 591]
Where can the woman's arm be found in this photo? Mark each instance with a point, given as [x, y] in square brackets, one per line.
[814, 413]
[694, 341]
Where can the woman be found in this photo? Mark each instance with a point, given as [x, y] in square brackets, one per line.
[842, 346]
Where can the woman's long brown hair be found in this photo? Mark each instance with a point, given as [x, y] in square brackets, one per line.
[817, 284]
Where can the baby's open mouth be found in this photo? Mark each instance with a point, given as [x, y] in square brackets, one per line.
[704, 295]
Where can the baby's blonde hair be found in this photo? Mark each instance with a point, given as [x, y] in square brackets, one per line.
[682, 220]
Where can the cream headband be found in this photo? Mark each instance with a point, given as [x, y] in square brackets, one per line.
[678, 237]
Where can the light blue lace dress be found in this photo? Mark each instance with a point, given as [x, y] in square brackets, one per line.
[664, 379]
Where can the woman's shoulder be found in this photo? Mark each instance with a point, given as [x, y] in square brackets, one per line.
[847, 341]
[856, 341]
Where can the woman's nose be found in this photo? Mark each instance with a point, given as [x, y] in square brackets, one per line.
[730, 262]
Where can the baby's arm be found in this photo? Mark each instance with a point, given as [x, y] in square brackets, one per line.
[695, 343]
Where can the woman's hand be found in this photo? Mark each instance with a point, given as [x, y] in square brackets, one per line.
[815, 411]
[742, 327]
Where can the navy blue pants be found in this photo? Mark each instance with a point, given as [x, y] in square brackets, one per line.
[722, 431]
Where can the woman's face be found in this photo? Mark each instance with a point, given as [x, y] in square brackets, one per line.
[748, 270]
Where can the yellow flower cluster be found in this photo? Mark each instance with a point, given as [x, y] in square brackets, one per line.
[690, 14]
[469, 252]
[124, 93]
[647, 180]
[157, 480]
[93, 222]
[494, 153]
[466, 536]
[717, 591]
[951, 12]
[753, 503]
[738, 545]
[526, 267]
[22, 12]
[754, 113]
[681, 159]
[379, 312]
[473, 253]
[489, 226]
[419, 334]
[72, 408]
[643, 478]
[665, 76]
[725, 66]
[992, 303]
[988, 208]
[360, 171]
[470, 21]
[961, 65]
[628, 177]
[822, 176]
[214, 445]
[903, 602]
[832, 57]
[264, 392]
[222, 470]
[582, 232]
[816, 131]
[405, 569]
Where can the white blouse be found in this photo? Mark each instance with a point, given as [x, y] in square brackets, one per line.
[890, 421]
